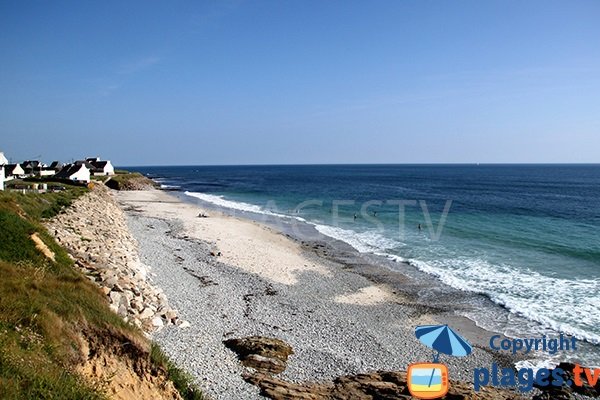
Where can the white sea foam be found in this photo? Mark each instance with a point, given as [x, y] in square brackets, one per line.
[235, 205]
[364, 242]
[164, 186]
[567, 306]
[563, 305]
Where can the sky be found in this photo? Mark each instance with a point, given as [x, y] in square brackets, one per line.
[300, 82]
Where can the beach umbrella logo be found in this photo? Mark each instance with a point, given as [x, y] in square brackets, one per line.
[442, 339]
[430, 380]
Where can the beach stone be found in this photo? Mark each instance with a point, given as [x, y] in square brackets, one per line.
[111, 282]
[184, 325]
[122, 311]
[265, 364]
[136, 305]
[261, 353]
[146, 313]
[171, 315]
[115, 297]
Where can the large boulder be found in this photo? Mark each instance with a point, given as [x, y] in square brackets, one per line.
[261, 353]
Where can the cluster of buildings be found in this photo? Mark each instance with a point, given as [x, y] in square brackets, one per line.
[78, 171]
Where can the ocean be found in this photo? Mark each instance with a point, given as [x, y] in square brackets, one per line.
[527, 237]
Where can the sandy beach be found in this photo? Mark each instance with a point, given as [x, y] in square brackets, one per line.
[339, 319]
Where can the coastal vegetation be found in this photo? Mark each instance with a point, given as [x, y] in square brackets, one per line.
[52, 317]
[125, 180]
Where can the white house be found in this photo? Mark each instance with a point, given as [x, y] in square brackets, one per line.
[78, 172]
[12, 171]
[46, 172]
[101, 168]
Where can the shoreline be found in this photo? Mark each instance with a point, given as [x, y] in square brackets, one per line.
[473, 311]
[339, 318]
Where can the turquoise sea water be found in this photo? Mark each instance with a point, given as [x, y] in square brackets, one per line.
[526, 236]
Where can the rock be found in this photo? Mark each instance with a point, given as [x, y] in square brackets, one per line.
[265, 364]
[115, 298]
[377, 385]
[564, 392]
[136, 305]
[184, 325]
[261, 353]
[111, 282]
[157, 322]
[146, 313]
[122, 311]
[170, 315]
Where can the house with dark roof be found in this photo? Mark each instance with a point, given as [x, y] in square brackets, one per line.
[50, 170]
[76, 172]
[31, 166]
[99, 167]
[13, 171]
[56, 165]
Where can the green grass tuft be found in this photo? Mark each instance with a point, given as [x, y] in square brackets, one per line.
[182, 380]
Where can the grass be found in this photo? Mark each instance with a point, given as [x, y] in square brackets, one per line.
[39, 206]
[182, 380]
[125, 180]
[46, 307]
[43, 304]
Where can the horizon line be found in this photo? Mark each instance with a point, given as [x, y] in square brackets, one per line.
[370, 164]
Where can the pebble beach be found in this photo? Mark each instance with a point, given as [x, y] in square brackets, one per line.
[337, 319]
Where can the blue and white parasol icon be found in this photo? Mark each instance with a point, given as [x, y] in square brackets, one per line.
[443, 339]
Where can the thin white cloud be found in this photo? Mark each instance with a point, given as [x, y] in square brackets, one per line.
[138, 65]
[108, 90]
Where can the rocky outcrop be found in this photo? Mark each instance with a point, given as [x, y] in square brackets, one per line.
[376, 385]
[94, 231]
[268, 356]
[131, 181]
[261, 353]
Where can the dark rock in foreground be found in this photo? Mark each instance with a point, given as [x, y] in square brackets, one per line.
[261, 353]
[269, 356]
[377, 385]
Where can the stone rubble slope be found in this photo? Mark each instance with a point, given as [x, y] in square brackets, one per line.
[94, 231]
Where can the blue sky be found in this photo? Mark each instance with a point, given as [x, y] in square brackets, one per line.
[244, 82]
